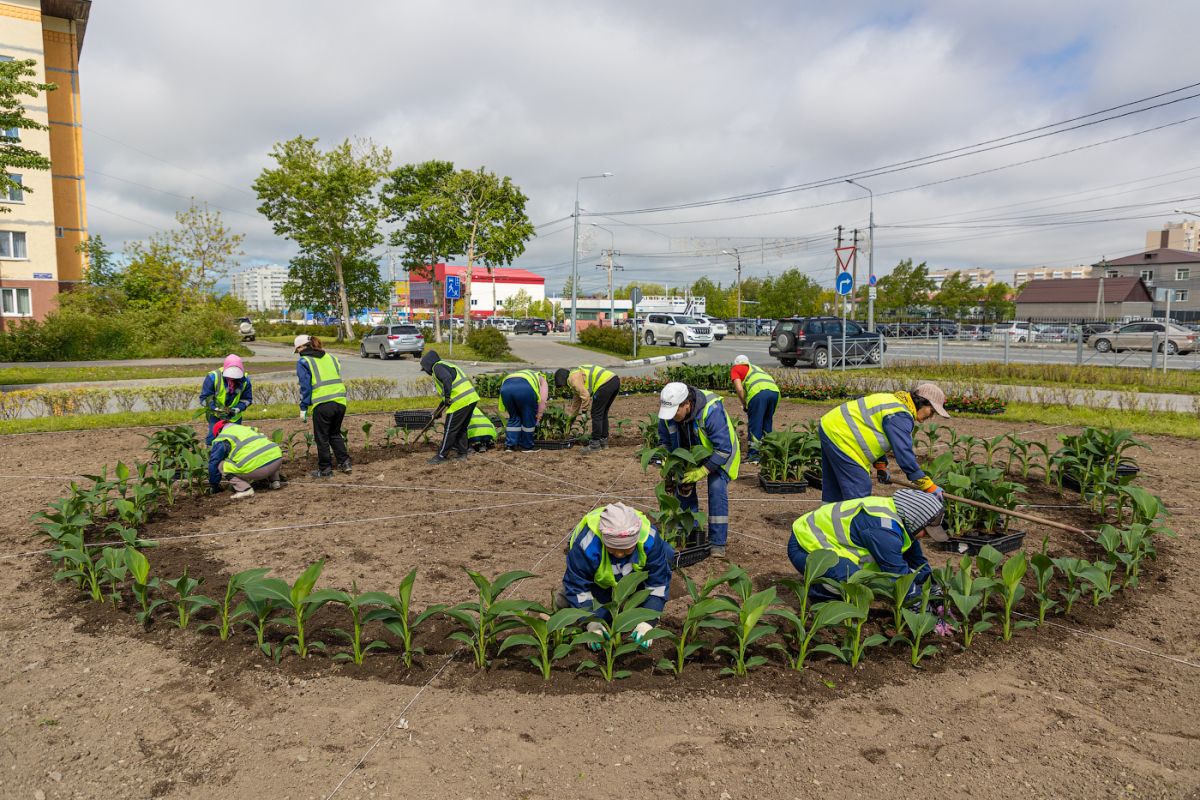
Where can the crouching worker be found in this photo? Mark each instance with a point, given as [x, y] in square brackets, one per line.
[243, 455]
[608, 544]
[876, 533]
[481, 432]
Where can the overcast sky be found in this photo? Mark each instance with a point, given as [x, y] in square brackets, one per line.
[683, 102]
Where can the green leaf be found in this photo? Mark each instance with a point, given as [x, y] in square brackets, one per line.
[516, 640]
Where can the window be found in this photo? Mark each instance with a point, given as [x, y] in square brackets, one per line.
[1058, 273]
[1147, 274]
[15, 193]
[1111, 273]
[378, 331]
[1181, 295]
[853, 329]
[1076, 273]
[1183, 273]
[16, 302]
[12, 244]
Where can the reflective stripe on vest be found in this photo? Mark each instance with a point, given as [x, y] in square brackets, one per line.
[248, 449]
[327, 385]
[828, 527]
[857, 427]
[711, 401]
[462, 391]
[607, 575]
[596, 376]
[758, 380]
[218, 376]
[480, 426]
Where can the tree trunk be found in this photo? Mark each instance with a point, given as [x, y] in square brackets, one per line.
[492, 275]
[347, 331]
[467, 283]
[438, 299]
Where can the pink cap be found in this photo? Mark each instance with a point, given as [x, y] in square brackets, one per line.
[233, 367]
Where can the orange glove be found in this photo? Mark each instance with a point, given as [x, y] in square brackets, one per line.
[926, 484]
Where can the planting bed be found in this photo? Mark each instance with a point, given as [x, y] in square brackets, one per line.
[95, 707]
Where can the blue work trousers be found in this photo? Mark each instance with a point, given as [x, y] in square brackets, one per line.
[913, 560]
[842, 478]
[760, 415]
[521, 401]
[718, 506]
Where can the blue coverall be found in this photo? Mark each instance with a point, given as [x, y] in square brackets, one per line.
[843, 478]
[579, 581]
[208, 393]
[686, 434]
[883, 538]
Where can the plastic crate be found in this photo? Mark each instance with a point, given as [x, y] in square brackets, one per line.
[972, 543]
[695, 550]
[1126, 472]
[412, 419]
[813, 480]
[782, 487]
[555, 444]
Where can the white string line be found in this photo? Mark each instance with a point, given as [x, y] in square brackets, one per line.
[599, 497]
[1117, 642]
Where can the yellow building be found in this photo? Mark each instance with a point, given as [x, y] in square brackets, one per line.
[39, 235]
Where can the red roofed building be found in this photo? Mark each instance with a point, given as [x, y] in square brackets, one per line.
[487, 290]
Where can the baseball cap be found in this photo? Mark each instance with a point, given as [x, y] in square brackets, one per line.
[671, 398]
[922, 510]
[234, 372]
[935, 396]
[741, 360]
[300, 341]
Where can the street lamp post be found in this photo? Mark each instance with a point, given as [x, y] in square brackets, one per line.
[738, 256]
[575, 255]
[870, 259]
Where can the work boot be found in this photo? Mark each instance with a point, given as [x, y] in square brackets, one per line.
[276, 485]
[510, 448]
[346, 466]
[322, 473]
[604, 444]
[534, 449]
[438, 460]
[462, 456]
[718, 551]
[244, 493]
[594, 445]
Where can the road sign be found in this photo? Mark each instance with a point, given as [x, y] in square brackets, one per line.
[453, 287]
[635, 295]
[873, 279]
[845, 258]
[872, 293]
[844, 283]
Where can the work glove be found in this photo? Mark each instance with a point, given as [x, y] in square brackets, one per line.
[926, 484]
[695, 475]
[600, 630]
[303, 414]
[881, 471]
[639, 635]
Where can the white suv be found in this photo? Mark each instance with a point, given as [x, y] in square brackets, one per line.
[720, 329]
[677, 329]
[501, 323]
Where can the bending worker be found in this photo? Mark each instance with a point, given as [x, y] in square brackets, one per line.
[595, 389]
[481, 433]
[687, 417]
[323, 392]
[856, 436]
[225, 394]
[759, 395]
[523, 397]
[608, 544]
[877, 533]
[243, 455]
[459, 399]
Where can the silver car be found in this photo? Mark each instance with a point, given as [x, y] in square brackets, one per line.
[387, 341]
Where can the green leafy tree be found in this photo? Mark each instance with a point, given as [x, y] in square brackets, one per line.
[327, 203]
[15, 84]
[958, 295]
[648, 289]
[102, 269]
[793, 292]
[157, 277]
[997, 302]
[718, 302]
[204, 243]
[905, 288]
[518, 305]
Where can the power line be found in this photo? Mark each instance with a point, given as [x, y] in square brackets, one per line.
[165, 161]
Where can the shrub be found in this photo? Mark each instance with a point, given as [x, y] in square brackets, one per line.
[14, 404]
[618, 341]
[126, 398]
[488, 343]
[370, 388]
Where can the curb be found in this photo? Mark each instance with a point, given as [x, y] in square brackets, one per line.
[660, 359]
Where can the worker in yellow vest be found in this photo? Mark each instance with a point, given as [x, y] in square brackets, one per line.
[243, 455]
[856, 437]
[876, 533]
[595, 389]
[459, 399]
[481, 432]
[323, 395]
[523, 397]
[760, 396]
[226, 394]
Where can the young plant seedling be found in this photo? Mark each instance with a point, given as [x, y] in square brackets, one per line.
[228, 615]
[113, 570]
[143, 584]
[189, 601]
[624, 613]
[700, 614]
[366, 429]
[896, 593]
[489, 615]
[850, 651]
[1011, 591]
[967, 593]
[803, 633]
[1100, 575]
[542, 627]
[750, 607]
[1072, 569]
[355, 603]
[815, 566]
[920, 623]
[298, 602]
[1043, 571]
[397, 617]
[258, 612]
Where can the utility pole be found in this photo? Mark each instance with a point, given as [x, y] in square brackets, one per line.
[736, 253]
[610, 266]
[854, 274]
[838, 299]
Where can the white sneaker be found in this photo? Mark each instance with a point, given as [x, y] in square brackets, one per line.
[248, 493]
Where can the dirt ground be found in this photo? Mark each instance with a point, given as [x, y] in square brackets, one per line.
[93, 707]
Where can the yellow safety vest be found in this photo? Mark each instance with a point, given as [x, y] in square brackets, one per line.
[529, 375]
[857, 427]
[758, 380]
[248, 449]
[218, 376]
[711, 401]
[828, 527]
[596, 376]
[462, 391]
[480, 426]
[606, 575]
[327, 385]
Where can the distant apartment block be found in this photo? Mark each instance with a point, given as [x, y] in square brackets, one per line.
[1077, 272]
[979, 277]
[1162, 270]
[1184, 236]
[260, 288]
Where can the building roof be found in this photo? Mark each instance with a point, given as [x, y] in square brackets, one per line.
[480, 274]
[75, 10]
[1085, 290]
[1163, 255]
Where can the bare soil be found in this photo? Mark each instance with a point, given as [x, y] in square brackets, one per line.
[96, 707]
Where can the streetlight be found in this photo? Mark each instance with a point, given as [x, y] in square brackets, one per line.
[575, 254]
[738, 256]
[870, 260]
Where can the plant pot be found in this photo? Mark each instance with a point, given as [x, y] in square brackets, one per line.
[410, 420]
[1126, 472]
[782, 487]
[555, 444]
[814, 480]
[694, 551]
[972, 543]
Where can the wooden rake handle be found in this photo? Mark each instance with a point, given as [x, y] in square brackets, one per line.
[1062, 526]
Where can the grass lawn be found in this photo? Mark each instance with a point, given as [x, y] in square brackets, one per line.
[1088, 376]
[462, 352]
[12, 376]
[644, 350]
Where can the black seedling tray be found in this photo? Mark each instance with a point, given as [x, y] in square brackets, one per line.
[782, 487]
[412, 419]
[1124, 470]
[554, 444]
[694, 551]
[972, 543]
[813, 480]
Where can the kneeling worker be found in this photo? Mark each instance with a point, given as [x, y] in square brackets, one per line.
[608, 544]
[760, 396]
[481, 433]
[878, 533]
[459, 399]
[243, 455]
[856, 436]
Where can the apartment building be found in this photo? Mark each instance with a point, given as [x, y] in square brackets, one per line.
[979, 277]
[1183, 236]
[44, 225]
[1176, 271]
[260, 288]
[1077, 272]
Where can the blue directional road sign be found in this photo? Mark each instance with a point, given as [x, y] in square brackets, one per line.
[453, 287]
[844, 283]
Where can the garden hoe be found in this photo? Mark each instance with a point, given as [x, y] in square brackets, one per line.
[1062, 526]
[437, 412]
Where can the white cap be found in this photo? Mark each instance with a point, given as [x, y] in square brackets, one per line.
[670, 399]
[234, 373]
[301, 341]
[741, 360]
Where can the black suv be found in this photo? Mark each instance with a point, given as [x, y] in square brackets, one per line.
[807, 339]
[531, 326]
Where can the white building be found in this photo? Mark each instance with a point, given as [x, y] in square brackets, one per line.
[260, 288]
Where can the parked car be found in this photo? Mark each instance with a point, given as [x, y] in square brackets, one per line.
[679, 329]
[808, 339]
[1054, 332]
[500, 323]
[246, 329]
[971, 333]
[1144, 335]
[388, 341]
[719, 328]
[531, 326]
[1014, 331]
